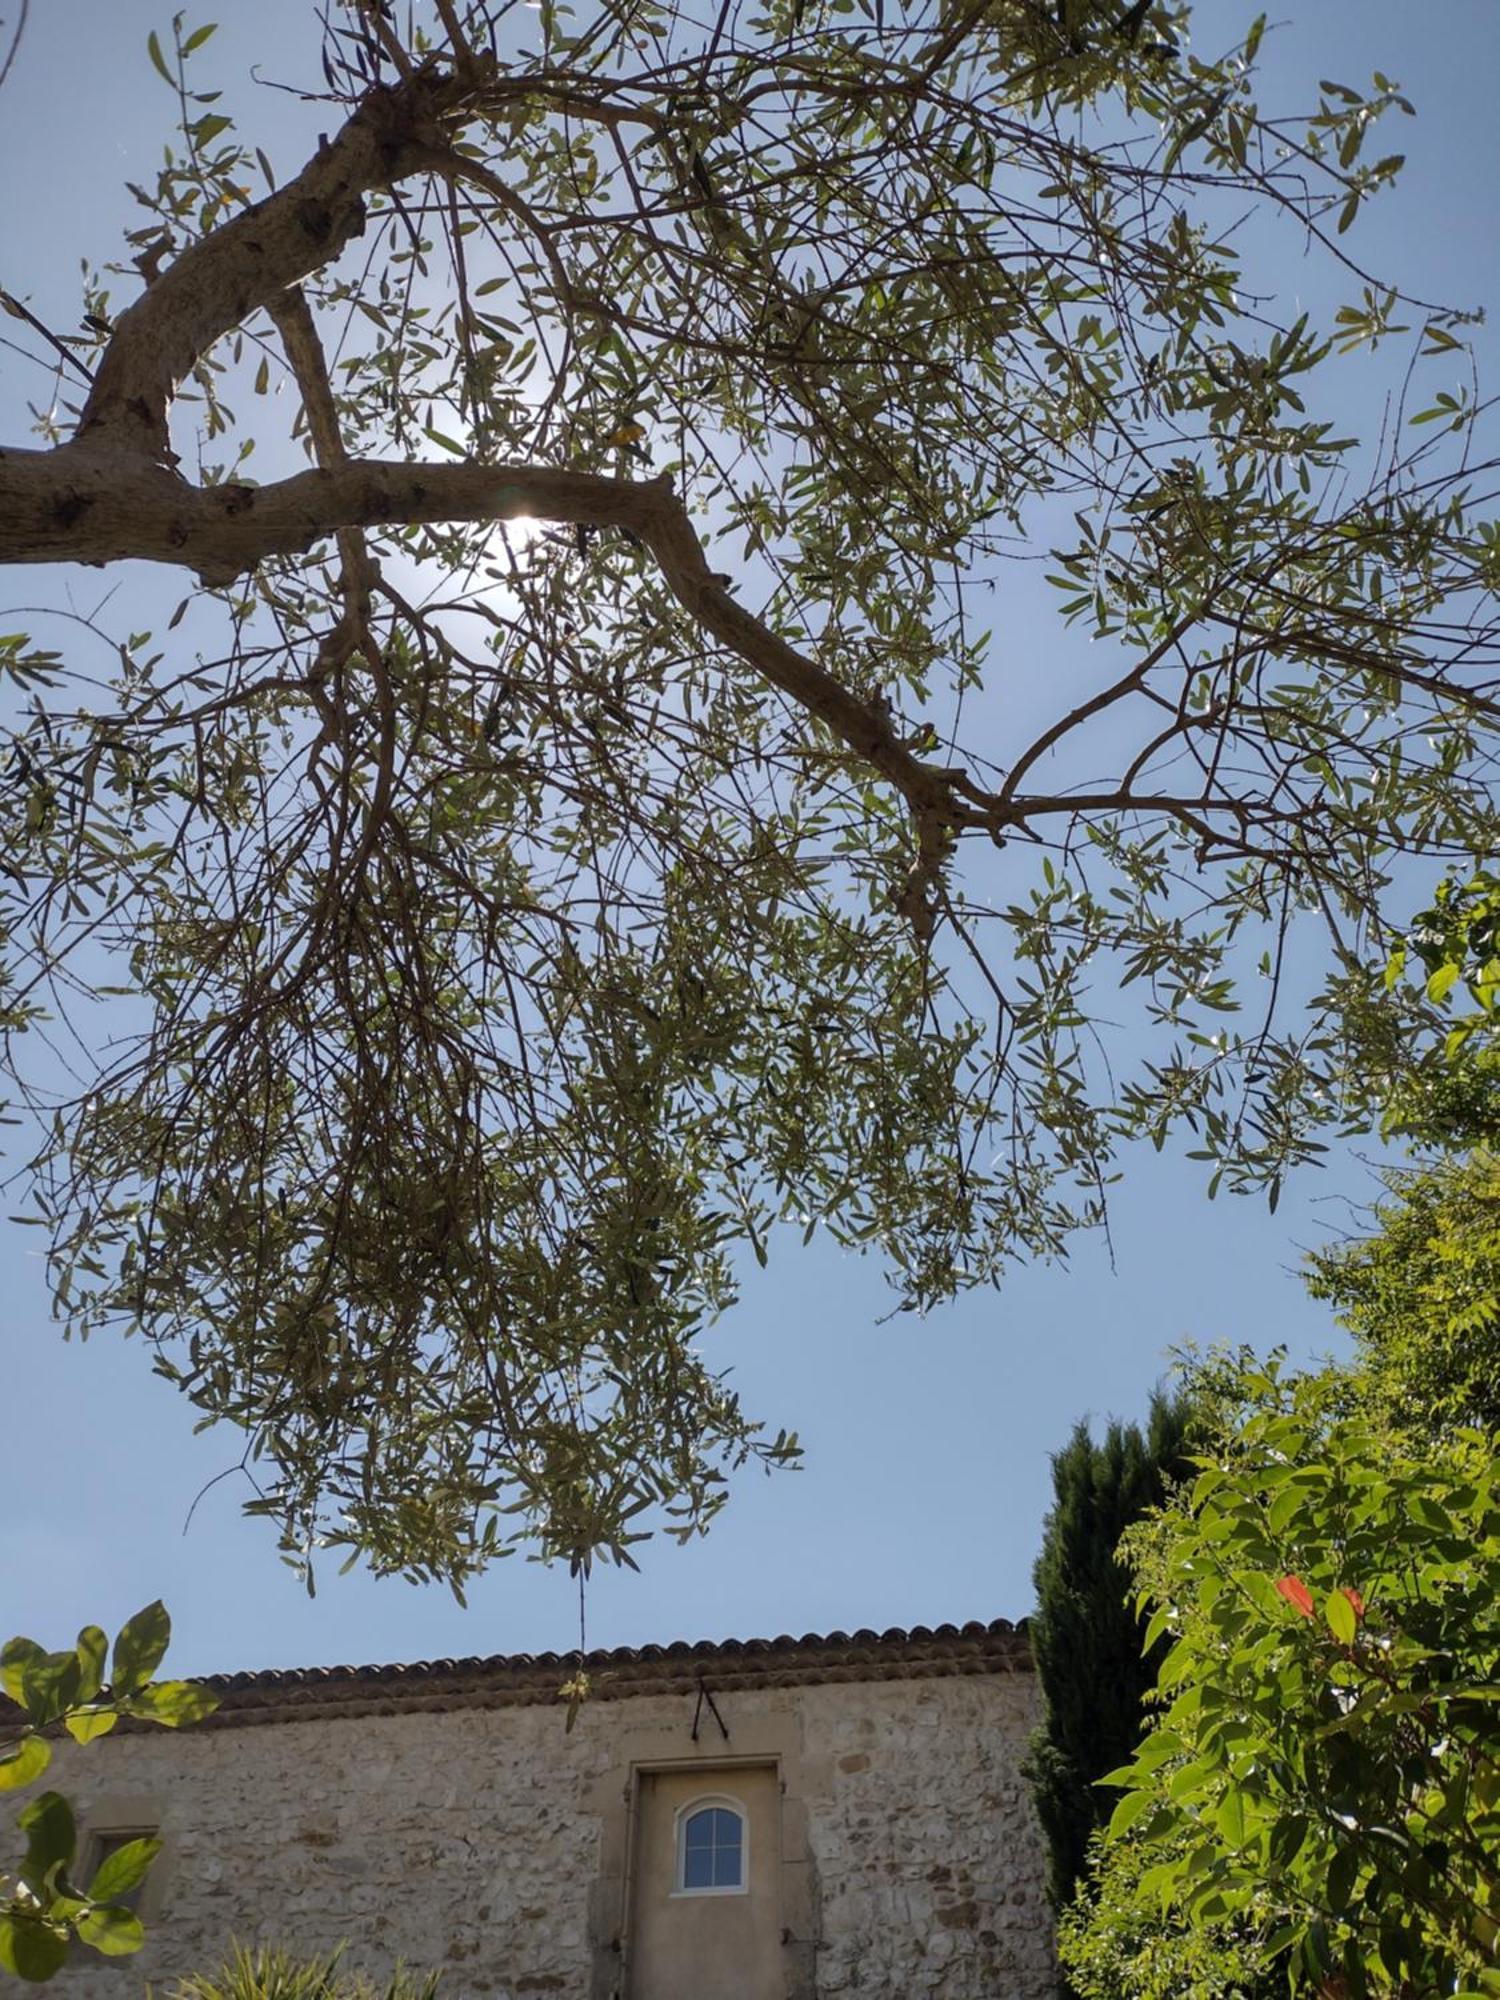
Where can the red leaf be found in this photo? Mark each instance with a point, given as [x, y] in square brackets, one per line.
[1354, 1598]
[1297, 1594]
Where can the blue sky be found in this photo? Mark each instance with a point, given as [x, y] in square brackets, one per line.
[927, 1441]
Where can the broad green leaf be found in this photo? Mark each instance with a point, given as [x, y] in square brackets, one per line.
[15, 1656]
[31, 1948]
[45, 1684]
[113, 1930]
[1343, 1873]
[23, 1763]
[1122, 1777]
[1441, 983]
[51, 1837]
[173, 1703]
[93, 1655]
[1230, 1817]
[119, 1872]
[1338, 1613]
[139, 1649]
[1131, 1810]
[85, 1725]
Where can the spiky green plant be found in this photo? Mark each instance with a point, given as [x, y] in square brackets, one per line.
[265, 1973]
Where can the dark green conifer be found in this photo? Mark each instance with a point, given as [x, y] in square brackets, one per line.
[1085, 1634]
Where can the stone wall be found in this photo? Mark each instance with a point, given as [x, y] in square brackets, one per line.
[929, 1861]
[476, 1840]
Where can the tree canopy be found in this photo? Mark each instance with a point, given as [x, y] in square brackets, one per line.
[577, 821]
[1421, 1295]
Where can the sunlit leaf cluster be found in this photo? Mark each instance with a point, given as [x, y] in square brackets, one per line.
[1319, 1793]
[46, 1904]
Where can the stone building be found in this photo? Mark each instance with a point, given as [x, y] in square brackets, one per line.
[770, 1820]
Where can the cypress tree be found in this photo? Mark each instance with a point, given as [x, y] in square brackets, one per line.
[1085, 1634]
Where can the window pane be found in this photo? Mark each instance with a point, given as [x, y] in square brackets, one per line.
[713, 1849]
[698, 1868]
[727, 1863]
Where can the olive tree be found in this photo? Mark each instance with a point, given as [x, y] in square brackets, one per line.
[584, 824]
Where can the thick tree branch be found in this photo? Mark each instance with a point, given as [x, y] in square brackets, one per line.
[83, 504]
[112, 492]
[216, 283]
[219, 281]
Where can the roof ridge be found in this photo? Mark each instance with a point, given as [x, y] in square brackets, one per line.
[522, 1680]
[864, 1640]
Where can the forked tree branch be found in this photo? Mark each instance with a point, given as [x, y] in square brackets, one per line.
[113, 493]
[304, 352]
[216, 283]
[117, 505]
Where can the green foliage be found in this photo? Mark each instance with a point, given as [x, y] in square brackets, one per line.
[1408, 1076]
[1116, 1943]
[1320, 1789]
[518, 930]
[1086, 1632]
[1424, 1034]
[45, 1905]
[1421, 1295]
[1457, 940]
[265, 1973]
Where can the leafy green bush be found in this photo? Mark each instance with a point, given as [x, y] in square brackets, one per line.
[264, 1973]
[1117, 1943]
[44, 1907]
[1320, 1791]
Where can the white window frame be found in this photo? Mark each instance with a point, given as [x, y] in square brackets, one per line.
[724, 1802]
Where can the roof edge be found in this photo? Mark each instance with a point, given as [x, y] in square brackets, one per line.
[306, 1694]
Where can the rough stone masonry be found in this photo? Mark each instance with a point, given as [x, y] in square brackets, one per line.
[444, 1815]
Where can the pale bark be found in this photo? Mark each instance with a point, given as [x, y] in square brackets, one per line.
[115, 491]
[215, 284]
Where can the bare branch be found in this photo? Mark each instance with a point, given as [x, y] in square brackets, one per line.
[15, 42]
[304, 352]
[17, 310]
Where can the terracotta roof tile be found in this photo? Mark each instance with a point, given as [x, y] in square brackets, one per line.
[294, 1694]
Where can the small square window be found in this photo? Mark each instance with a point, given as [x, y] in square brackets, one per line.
[104, 1842]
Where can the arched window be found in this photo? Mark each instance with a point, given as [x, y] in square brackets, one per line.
[713, 1848]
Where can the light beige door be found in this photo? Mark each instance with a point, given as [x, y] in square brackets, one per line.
[706, 1886]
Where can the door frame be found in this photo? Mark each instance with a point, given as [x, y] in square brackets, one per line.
[765, 1742]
